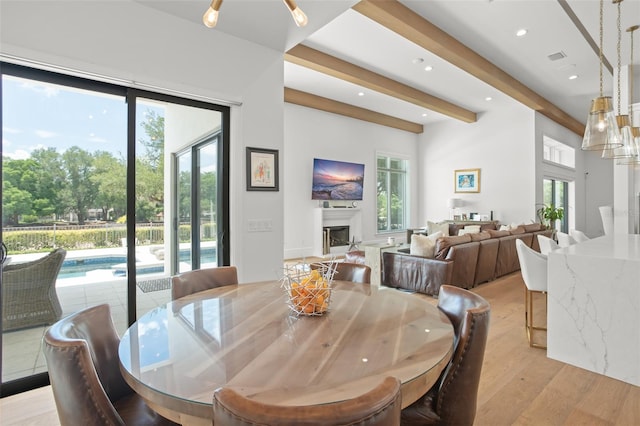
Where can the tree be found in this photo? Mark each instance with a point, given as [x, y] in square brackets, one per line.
[154, 145]
[150, 169]
[110, 178]
[80, 191]
[149, 191]
[15, 202]
[50, 180]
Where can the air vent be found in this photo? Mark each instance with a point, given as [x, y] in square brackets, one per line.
[557, 56]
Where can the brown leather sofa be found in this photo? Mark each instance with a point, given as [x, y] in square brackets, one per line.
[463, 261]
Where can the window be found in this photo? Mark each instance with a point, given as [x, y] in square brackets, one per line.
[392, 193]
[559, 153]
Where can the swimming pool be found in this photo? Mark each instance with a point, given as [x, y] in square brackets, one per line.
[78, 267]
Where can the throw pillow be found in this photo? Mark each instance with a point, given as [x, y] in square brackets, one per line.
[469, 229]
[472, 229]
[424, 245]
[433, 227]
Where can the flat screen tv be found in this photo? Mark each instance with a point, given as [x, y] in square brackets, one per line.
[337, 180]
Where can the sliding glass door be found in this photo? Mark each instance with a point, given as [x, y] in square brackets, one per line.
[197, 205]
[87, 170]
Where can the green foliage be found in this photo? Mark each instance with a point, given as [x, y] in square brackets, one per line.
[25, 241]
[80, 192]
[548, 214]
[15, 202]
[49, 184]
[153, 126]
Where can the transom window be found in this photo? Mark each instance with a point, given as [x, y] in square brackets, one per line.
[559, 153]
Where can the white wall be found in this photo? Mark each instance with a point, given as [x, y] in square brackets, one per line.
[138, 44]
[501, 144]
[313, 134]
[593, 176]
[259, 123]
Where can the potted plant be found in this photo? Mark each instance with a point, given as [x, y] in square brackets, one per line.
[548, 214]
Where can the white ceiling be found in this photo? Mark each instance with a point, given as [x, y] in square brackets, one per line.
[486, 26]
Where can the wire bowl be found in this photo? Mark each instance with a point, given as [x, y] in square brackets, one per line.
[308, 287]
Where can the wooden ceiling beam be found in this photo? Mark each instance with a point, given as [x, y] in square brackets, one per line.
[318, 61]
[298, 97]
[405, 22]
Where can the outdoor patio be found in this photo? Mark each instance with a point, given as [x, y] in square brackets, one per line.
[22, 355]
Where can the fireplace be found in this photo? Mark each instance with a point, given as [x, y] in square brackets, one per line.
[334, 236]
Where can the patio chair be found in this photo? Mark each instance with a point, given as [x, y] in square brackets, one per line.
[29, 295]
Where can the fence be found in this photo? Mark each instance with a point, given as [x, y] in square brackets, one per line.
[74, 237]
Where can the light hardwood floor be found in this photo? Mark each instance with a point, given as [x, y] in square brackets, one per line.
[519, 384]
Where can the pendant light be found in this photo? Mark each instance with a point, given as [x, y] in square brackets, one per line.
[601, 131]
[298, 15]
[210, 17]
[626, 150]
[635, 131]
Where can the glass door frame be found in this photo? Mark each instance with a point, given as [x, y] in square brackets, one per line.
[222, 199]
[130, 95]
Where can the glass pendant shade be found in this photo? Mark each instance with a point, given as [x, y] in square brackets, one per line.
[210, 17]
[602, 130]
[628, 148]
[635, 133]
[299, 16]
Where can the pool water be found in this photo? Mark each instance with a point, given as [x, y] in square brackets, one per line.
[78, 267]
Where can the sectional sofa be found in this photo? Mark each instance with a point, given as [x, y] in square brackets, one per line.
[464, 261]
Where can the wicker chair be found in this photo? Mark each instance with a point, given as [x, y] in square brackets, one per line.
[29, 295]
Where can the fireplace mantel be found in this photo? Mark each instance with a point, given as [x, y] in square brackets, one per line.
[350, 216]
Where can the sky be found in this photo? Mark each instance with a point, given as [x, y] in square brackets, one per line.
[41, 115]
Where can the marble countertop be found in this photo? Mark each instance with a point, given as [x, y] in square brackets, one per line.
[619, 246]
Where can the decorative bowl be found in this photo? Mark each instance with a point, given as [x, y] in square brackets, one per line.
[308, 287]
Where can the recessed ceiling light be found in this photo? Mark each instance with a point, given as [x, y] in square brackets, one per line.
[417, 60]
[488, 98]
[360, 93]
[573, 77]
[521, 32]
[424, 114]
[428, 68]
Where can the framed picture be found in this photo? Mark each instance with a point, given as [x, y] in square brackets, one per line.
[457, 217]
[262, 169]
[467, 180]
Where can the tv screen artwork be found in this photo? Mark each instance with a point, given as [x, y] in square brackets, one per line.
[337, 180]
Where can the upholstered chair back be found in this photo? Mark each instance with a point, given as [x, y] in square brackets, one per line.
[379, 406]
[81, 351]
[453, 399]
[198, 280]
[347, 271]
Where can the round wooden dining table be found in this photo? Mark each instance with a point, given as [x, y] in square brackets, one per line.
[247, 338]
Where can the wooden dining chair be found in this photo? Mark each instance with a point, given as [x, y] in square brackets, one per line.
[379, 406]
[347, 271]
[202, 279]
[81, 351]
[453, 398]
